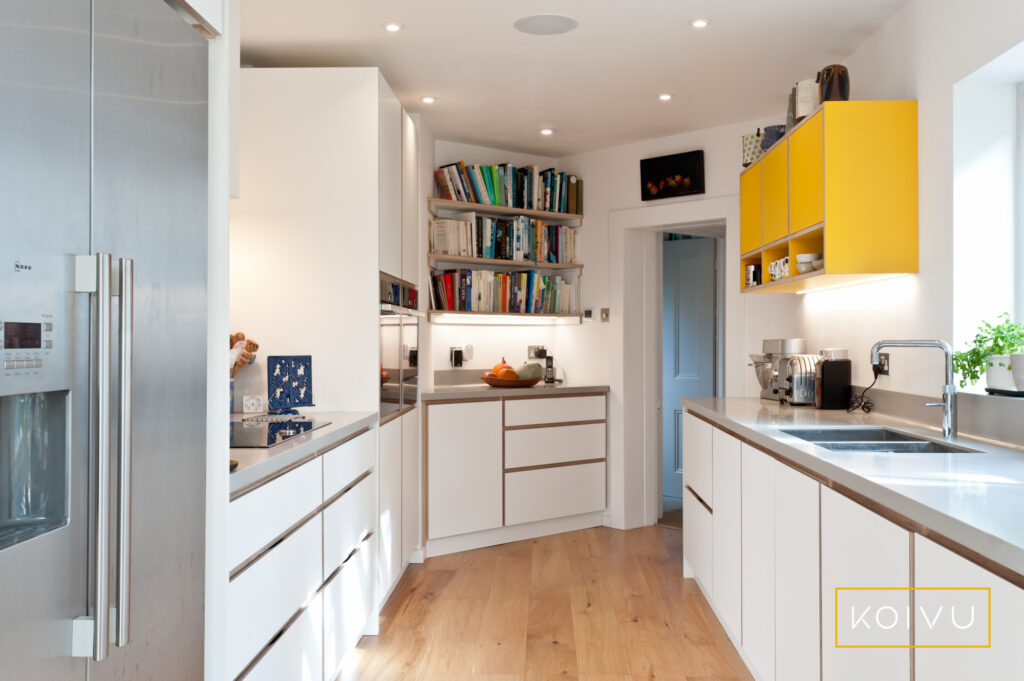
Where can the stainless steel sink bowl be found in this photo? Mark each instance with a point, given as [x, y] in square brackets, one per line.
[858, 434]
[904, 447]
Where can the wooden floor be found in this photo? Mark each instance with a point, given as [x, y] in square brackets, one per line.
[593, 605]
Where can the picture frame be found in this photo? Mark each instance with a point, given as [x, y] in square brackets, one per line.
[666, 177]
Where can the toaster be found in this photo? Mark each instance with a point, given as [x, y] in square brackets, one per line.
[797, 379]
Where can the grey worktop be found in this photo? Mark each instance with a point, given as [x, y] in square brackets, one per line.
[975, 499]
[482, 391]
[257, 464]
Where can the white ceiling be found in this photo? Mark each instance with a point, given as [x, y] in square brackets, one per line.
[597, 86]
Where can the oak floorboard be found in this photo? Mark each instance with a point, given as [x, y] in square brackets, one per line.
[594, 605]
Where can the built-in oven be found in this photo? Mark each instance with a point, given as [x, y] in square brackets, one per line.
[399, 345]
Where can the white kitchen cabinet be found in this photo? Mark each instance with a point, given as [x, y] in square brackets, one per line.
[389, 540]
[347, 521]
[390, 180]
[348, 607]
[464, 450]
[262, 598]
[412, 485]
[859, 548]
[297, 655]
[558, 444]
[697, 468]
[410, 200]
[534, 412]
[259, 517]
[726, 529]
[698, 540]
[938, 568]
[758, 571]
[346, 462]
[797, 576]
[545, 493]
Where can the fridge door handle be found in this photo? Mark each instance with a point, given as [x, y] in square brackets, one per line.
[126, 352]
[102, 358]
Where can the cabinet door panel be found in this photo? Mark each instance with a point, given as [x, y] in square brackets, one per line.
[347, 522]
[806, 181]
[697, 468]
[412, 485]
[726, 527]
[389, 538]
[345, 463]
[297, 654]
[390, 180]
[937, 567]
[759, 561]
[464, 466]
[698, 541]
[348, 606]
[750, 208]
[776, 192]
[533, 411]
[541, 446]
[860, 548]
[797, 577]
[547, 493]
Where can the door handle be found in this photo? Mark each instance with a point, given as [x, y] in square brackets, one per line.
[102, 394]
[126, 353]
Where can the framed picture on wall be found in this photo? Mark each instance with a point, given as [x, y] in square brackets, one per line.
[664, 177]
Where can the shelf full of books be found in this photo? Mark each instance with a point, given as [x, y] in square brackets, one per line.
[519, 239]
[504, 185]
[486, 291]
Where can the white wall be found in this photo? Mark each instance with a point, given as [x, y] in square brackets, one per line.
[920, 53]
[308, 204]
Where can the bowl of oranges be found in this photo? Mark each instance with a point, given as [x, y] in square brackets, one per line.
[504, 376]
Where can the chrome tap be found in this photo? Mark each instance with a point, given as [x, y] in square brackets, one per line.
[948, 402]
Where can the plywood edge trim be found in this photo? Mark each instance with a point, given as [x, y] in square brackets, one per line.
[560, 464]
[555, 424]
[699, 499]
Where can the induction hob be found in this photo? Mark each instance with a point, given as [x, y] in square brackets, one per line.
[253, 433]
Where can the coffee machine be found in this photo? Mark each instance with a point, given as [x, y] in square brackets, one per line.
[833, 379]
[768, 365]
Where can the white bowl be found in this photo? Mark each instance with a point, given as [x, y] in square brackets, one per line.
[818, 264]
[805, 267]
[807, 257]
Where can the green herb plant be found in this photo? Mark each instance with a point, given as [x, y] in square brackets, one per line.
[1003, 338]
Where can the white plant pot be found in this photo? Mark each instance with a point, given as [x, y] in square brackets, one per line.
[1017, 366]
[999, 374]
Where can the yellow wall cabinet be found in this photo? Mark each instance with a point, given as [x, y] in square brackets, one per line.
[843, 183]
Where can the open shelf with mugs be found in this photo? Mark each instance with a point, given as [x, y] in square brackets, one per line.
[842, 185]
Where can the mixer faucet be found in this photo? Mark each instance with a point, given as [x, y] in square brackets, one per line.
[948, 402]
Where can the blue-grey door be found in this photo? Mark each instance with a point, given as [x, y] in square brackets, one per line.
[688, 343]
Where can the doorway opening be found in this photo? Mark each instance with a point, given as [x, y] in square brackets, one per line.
[691, 345]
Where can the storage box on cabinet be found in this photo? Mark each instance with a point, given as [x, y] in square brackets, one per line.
[697, 468]
[538, 411]
[554, 444]
[348, 605]
[545, 493]
[264, 514]
[263, 597]
[347, 521]
[297, 655]
[346, 462]
[464, 449]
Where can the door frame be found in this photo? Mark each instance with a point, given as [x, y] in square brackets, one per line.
[714, 231]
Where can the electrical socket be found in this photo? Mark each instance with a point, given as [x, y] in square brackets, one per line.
[605, 314]
[536, 352]
[883, 364]
[252, 404]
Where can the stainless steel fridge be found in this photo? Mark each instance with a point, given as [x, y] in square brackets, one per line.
[103, 221]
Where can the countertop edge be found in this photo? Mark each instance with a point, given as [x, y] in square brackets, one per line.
[486, 392]
[934, 522]
[309, 446]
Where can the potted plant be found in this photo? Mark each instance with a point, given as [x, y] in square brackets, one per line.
[991, 352]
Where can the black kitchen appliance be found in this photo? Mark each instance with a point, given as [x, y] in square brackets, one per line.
[833, 385]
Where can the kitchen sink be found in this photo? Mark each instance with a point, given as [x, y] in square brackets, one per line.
[904, 447]
[819, 435]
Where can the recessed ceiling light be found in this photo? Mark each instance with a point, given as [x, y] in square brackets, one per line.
[545, 24]
[665, 97]
[547, 131]
[392, 27]
[428, 100]
[700, 23]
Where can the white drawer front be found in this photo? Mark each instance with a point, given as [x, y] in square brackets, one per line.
[261, 599]
[697, 448]
[535, 411]
[540, 446]
[347, 521]
[296, 655]
[698, 540]
[345, 463]
[257, 518]
[554, 492]
[348, 606]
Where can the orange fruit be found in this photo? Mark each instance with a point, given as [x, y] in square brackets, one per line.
[501, 365]
[507, 372]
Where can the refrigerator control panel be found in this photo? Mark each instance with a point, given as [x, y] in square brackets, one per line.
[32, 359]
